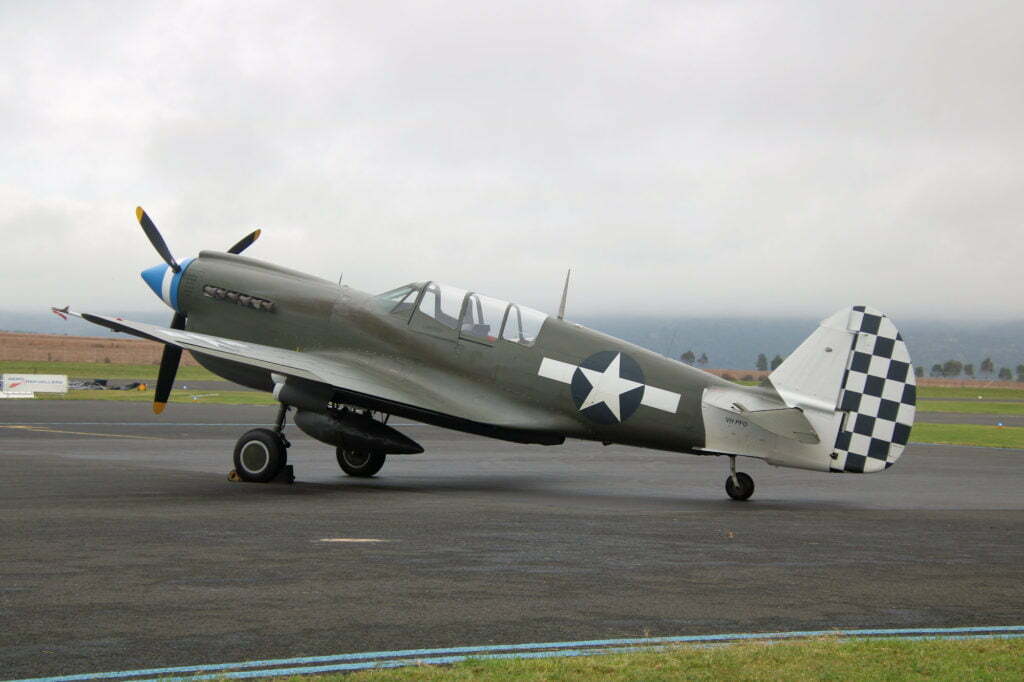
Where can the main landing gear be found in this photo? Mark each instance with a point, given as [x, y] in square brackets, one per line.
[360, 463]
[261, 455]
[738, 485]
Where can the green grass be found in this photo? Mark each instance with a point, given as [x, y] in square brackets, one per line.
[822, 659]
[971, 393]
[214, 397]
[969, 434]
[100, 370]
[970, 407]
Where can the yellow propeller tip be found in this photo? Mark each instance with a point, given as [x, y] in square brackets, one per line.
[158, 407]
[256, 234]
[139, 213]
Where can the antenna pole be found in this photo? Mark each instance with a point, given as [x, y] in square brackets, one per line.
[565, 293]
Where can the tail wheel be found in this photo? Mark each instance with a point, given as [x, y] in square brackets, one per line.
[360, 463]
[740, 489]
[260, 455]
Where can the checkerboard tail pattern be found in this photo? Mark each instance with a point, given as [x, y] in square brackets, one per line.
[877, 397]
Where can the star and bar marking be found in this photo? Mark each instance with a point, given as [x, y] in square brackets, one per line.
[608, 386]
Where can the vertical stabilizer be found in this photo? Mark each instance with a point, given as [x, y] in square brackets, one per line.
[854, 381]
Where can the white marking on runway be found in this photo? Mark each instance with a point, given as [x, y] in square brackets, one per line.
[44, 429]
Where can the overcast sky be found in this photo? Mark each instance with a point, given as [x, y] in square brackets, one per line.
[683, 157]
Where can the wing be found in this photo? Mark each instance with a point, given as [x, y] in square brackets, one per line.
[459, 399]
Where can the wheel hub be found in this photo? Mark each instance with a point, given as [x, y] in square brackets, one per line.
[255, 457]
[355, 458]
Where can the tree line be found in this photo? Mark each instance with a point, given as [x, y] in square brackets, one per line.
[689, 357]
[955, 368]
[948, 369]
[763, 364]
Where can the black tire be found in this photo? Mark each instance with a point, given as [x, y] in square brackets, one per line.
[745, 488]
[360, 463]
[260, 455]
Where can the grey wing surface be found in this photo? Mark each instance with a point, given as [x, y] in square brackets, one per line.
[462, 401]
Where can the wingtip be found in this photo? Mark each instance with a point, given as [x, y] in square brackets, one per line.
[158, 407]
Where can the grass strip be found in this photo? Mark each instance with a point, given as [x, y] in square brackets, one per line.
[970, 407]
[102, 370]
[969, 434]
[971, 393]
[177, 396]
[830, 659]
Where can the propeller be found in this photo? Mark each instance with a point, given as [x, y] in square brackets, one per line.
[245, 242]
[156, 239]
[171, 357]
[168, 368]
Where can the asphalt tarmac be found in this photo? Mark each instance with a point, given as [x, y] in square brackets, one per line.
[123, 545]
[980, 419]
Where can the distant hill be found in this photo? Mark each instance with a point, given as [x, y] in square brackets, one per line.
[45, 322]
[735, 342]
[730, 342]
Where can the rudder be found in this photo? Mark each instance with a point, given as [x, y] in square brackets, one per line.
[861, 402]
[878, 396]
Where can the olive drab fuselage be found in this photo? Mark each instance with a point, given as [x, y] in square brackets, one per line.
[245, 299]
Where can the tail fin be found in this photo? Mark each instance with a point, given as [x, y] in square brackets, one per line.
[854, 381]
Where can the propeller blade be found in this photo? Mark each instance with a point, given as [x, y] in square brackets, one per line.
[168, 369]
[245, 242]
[156, 239]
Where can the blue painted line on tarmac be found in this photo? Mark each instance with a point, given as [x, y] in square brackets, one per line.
[448, 660]
[527, 650]
[1002, 635]
[433, 660]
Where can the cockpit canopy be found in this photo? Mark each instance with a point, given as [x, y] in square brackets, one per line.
[475, 316]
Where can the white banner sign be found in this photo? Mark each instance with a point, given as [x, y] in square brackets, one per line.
[34, 383]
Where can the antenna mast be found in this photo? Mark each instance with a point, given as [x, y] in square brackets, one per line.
[565, 293]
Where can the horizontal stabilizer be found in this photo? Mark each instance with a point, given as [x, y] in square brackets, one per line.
[789, 422]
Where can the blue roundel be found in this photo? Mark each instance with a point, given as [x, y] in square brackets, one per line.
[607, 387]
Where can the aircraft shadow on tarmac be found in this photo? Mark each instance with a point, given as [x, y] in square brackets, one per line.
[506, 487]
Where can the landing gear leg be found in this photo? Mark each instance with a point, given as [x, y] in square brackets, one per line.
[739, 486]
[282, 412]
[261, 455]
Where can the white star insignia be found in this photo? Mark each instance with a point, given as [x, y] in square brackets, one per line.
[607, 386]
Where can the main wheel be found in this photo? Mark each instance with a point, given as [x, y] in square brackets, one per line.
[260, 455]
[742, 491]
[360, 463]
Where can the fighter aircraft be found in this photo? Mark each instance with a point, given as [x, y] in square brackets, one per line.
[346, 361]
